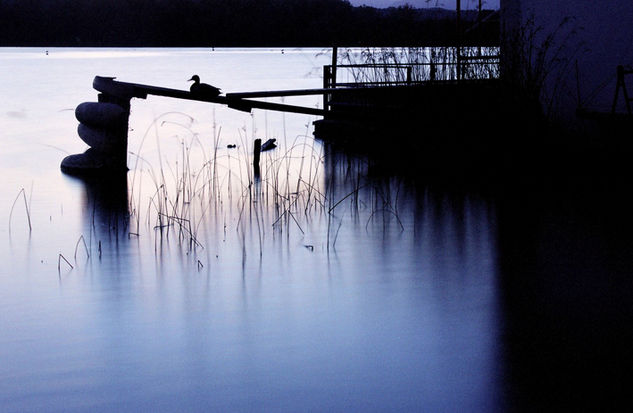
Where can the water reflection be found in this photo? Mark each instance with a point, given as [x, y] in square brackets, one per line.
[376, 286]
[433, 297]
[105, 206]
[426, 254]
[106, 226]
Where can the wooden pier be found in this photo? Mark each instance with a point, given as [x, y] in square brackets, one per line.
[350, 109]
[237, 101]
[104, 124]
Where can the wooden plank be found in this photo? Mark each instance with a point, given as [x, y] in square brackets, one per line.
[134, 90]
[242, 104]
[281, 93]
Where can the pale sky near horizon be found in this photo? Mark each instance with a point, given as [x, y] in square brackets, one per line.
[448, 4]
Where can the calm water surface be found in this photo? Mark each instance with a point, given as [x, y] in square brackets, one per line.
[195, 286]
[295, 295]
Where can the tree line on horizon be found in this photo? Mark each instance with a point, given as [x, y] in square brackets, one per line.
[196, 23]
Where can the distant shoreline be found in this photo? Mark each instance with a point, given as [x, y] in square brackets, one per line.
[239, 23]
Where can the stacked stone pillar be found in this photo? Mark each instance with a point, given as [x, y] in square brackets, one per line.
[103, 125]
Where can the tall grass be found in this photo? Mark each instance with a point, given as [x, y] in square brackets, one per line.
[537, 63]
[187, 188]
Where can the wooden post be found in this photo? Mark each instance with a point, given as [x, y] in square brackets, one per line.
[257, 150]
[479, 28]
[118, 159]
[458, 5]
[329, 78]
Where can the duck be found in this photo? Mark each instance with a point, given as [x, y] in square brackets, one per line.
[202, 89]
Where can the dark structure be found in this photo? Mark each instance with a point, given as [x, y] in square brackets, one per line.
[104, 124]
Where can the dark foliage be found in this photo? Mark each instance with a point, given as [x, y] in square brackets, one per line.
[222, 23]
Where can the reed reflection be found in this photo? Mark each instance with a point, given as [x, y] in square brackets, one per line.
[430, 254]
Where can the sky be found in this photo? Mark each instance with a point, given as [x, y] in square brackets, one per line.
[448, 4]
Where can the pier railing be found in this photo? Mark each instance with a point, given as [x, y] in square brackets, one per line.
[465, 68]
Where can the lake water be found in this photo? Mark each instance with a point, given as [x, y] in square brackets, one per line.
[191, 285]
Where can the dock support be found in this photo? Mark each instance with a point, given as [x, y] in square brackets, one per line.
[118, 156]
[103, 126]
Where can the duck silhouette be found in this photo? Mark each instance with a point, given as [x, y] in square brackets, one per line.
[202, 89]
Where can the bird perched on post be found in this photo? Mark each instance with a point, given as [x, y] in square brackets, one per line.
[202, 89]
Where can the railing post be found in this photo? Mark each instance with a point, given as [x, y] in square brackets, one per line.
[327, 83]
[409, 73]
[334, 64]
[458, 6]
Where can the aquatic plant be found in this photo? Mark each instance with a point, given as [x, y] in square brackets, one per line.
[26, 208]
[61, 258]
[80, 240]
[188, 188]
